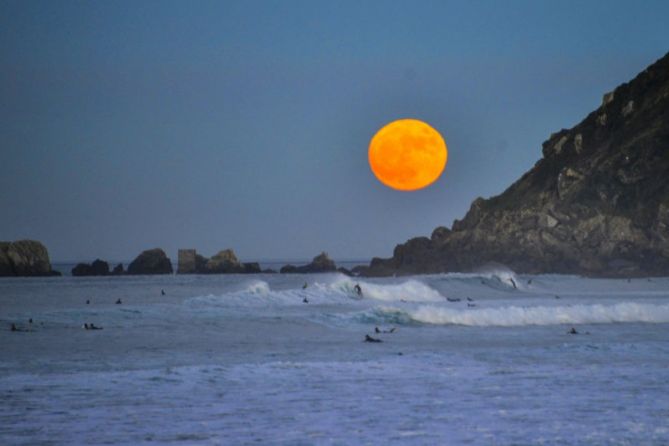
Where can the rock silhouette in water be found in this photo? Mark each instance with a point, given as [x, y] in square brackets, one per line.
[320, 264]
[152, 261]
[25, 258]
[97, 268]
[224, 262]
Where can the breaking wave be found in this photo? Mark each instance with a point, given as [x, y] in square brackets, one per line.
[513, 316]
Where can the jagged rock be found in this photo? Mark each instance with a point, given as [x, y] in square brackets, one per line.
[118, 270]
[597, 203]
[25, 258]
[151, 261]
[225, 262]
[97, 268]
[320, 264]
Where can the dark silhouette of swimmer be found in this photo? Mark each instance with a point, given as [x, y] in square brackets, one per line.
[30, 321]
[118, 301]
[304, 287]
[572, 331]
[86, 326]
[358, 289]
[376, 330]
[557, 297]
[162, 292]
[392, 330]
[469, 299]
[305, 300]
[453, 299]
[88, 301]
[529, 282]
[14, 328]
[471, 305]
[513, 282]
[368, 338]
[93, 327]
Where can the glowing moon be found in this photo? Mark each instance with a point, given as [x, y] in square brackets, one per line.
[407, 154]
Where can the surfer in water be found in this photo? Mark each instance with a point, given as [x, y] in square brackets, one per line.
[118, 301]
[162, 292]
[304, 287]
[513, 282]
[305, 300]
[368, 338]
[357, 289]
[572, 331]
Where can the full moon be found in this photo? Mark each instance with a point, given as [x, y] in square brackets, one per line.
[407, 154]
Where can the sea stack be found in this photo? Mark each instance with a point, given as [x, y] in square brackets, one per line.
[224, 262]
[596, 204]
[97, 268]
[320, 264]
[151, 261]
[25, 258]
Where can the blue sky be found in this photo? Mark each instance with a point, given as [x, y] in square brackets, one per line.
[131, 125]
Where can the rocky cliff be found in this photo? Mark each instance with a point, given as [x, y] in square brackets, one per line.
[25, 258]
[596, 204]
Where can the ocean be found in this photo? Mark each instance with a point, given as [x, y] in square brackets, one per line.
[465, 359]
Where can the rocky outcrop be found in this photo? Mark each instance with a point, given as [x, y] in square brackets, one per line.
[225, 262]
[320, 264]
[25, 258]
[152, 261]
[97, 268]
[596, 204]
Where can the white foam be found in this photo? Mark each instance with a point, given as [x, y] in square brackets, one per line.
[538, 315]
[408, 291]
[258, 287]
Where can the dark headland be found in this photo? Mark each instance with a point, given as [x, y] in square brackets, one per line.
[596, 204]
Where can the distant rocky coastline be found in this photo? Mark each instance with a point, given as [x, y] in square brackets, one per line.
[25, 258]
[596, 204]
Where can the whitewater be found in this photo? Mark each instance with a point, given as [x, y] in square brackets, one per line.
[491, 358]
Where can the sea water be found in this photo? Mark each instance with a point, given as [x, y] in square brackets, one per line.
[480, 359]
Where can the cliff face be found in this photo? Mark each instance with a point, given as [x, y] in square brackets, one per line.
[597, 203]
[25, 258]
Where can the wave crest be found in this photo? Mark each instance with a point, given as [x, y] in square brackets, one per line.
[513, 316]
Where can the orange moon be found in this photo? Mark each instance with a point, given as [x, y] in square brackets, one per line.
[407, 154]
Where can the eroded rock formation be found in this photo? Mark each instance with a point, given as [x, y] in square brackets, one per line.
[151, 261]
[97, 268]
[25, 258]
[320, 264]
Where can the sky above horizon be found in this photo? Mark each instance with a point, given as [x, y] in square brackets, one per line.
[209, 125]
